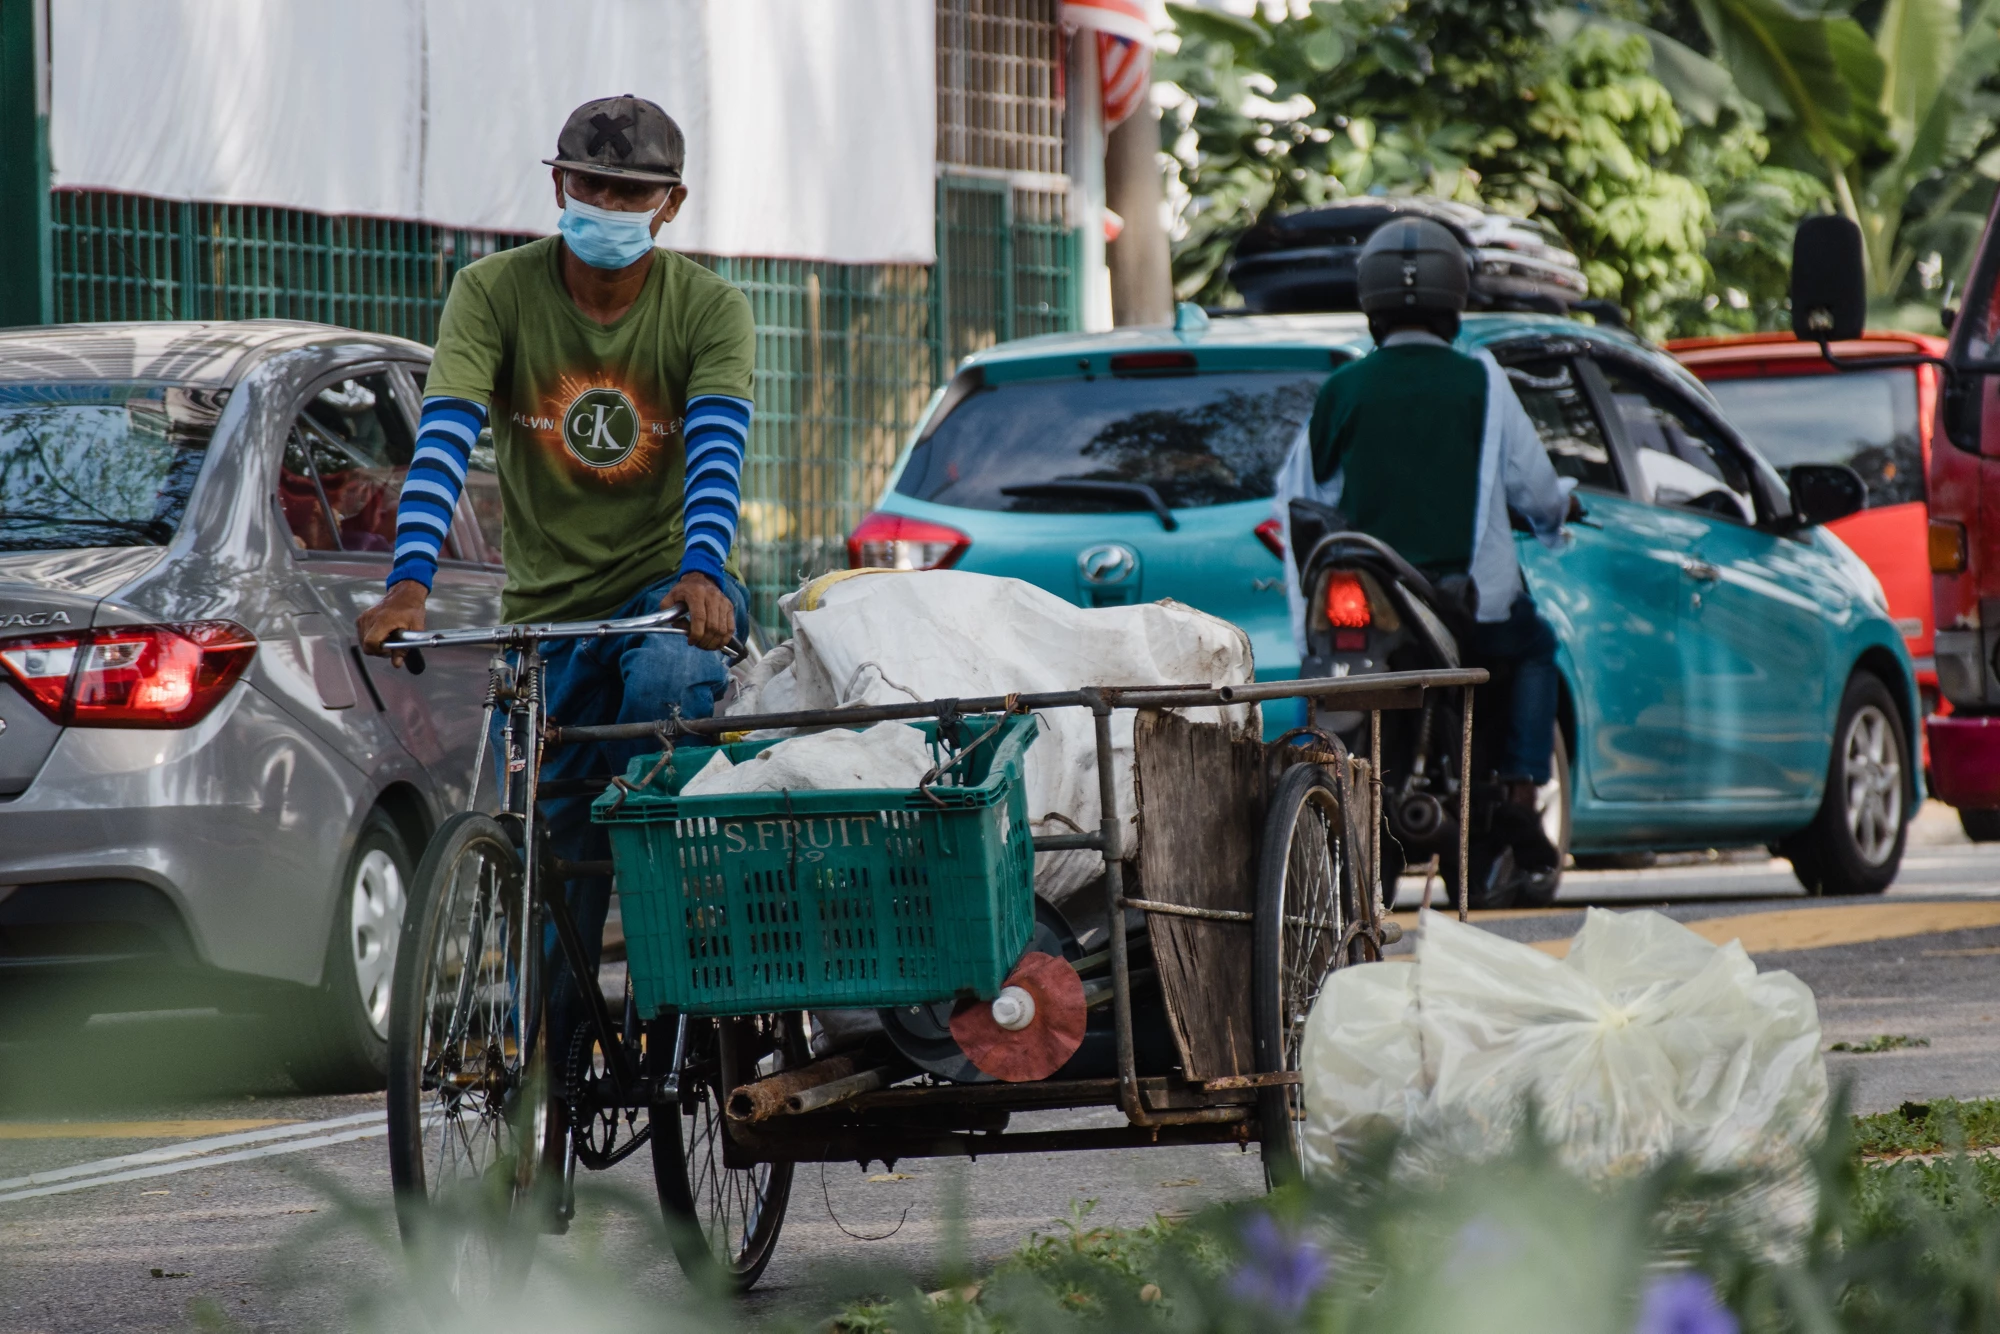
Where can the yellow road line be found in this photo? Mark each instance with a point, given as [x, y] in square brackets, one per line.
[127, 1129]
[1821, 928]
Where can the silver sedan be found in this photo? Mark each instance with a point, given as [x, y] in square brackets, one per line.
[201, 779]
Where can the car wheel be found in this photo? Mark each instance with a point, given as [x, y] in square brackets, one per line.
[343, 1047]
[1980, 826]
[1855, 843]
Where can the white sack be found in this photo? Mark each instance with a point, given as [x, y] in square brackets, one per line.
[886, 755]
[1645, 1040]
[890, 638]
[810, 124]
[768, 680]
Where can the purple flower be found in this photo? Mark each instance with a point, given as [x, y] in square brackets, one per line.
[1279, 1273]
[1683, 1304]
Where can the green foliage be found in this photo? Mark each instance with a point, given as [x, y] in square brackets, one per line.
[1929, 1127]
[1516, 1244]
[1900, 123]
[1514, 105]
[1749, 249]
[1673, 143]
[1881, 1042]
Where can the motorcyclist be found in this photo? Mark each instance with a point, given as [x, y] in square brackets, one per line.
[1427, 449]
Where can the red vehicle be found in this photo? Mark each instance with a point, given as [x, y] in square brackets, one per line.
[1796, 408]
[1830, 303]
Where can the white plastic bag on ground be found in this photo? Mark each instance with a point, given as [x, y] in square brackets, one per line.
[891, 637]
[886, 755]
[1645, 1040]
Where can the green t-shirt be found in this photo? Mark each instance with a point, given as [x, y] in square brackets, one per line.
[587, 417]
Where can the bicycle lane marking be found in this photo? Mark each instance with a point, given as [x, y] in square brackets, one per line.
[202, 1152]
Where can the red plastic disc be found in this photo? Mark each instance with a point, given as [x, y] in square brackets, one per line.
[1051, 1037]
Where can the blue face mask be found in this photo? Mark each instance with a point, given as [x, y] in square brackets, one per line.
[605, 238]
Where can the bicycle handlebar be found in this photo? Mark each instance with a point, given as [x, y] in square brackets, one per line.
[672, 621]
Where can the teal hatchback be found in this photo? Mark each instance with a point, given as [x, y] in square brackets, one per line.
[1706, 642]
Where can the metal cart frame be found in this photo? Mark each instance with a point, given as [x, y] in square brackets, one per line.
[1158, 1110]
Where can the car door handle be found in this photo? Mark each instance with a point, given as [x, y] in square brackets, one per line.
[1700, 570]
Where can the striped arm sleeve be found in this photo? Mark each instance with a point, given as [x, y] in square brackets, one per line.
[445, 438]
[717, 432]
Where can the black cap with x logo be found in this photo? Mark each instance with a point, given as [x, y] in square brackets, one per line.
[622, 136]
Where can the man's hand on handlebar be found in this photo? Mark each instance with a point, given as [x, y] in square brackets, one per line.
[401, 609]
[711, 617]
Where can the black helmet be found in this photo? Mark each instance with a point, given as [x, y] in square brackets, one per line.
[1412, 264]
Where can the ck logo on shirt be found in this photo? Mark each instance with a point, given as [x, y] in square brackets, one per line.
[601, 427]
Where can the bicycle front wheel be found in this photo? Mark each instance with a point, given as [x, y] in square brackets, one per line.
[468, 1074]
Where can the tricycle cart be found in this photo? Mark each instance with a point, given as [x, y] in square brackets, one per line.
[1257, 873]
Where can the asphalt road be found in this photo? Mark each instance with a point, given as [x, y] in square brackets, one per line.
[159, 1172]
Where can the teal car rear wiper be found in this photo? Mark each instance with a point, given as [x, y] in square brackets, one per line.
[1148, 498]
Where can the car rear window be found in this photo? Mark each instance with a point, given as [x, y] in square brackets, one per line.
[99, 464]
[1197, 440]
[1864, 419]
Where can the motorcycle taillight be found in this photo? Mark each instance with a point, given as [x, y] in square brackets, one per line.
[1347, 601]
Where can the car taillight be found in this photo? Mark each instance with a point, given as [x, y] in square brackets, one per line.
[130, 675]
[1347, 601]
[1272, 534]
[1947, 546]
[898, 542]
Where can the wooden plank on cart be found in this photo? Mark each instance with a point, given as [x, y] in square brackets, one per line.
[1202, 789]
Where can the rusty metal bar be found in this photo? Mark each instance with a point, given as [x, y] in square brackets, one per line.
[1465, 806]
[1044, 1093]
[1375, 817]
[1176, 910]
[835, 1091]
[1272, 1079]
[768, 1097]
[1113, 833]
[805, 1142]
[1360, 688]
[1069, 843]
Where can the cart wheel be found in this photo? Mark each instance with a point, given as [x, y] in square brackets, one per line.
[718, 1214]
[1305, 903]
[469, 1123]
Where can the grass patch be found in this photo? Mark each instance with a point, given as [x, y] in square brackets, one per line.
[1881, 1042]
[1938, 1126]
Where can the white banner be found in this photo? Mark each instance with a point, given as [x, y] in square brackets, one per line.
[811, 124]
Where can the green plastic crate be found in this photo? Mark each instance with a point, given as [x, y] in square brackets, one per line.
[859, 897]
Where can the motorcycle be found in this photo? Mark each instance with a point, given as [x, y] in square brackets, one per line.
[1368, 610]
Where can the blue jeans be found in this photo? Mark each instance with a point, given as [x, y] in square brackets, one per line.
[1524, 642]
[592, 682]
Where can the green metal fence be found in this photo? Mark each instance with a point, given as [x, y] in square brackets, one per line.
[847, 354]
[128, 257]
[1007, 260]
[844, 362]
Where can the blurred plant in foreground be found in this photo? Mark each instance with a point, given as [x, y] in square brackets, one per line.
[1513, 1243]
